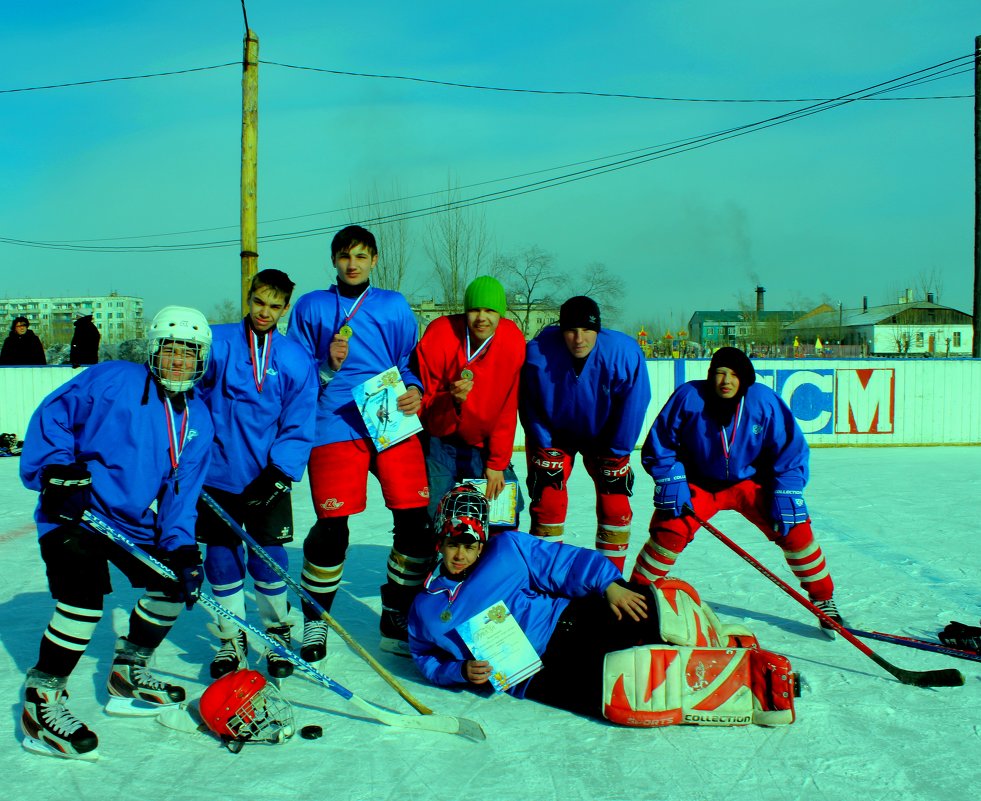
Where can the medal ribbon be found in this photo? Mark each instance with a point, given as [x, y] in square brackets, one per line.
[473, 355]
[175, 440]
[727, 444]
[261, 356]
[451, 593]
[354, 308]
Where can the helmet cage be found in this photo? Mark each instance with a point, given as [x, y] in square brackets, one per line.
[184, 328]
[463, 511]
[244, 707]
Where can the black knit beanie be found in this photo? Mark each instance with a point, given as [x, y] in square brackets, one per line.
[579, 312]
[738, 362]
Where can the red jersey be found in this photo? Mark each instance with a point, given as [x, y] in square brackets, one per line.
[489, 415]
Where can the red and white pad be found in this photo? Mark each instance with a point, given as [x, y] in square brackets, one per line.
[661, 685]
[684, 619]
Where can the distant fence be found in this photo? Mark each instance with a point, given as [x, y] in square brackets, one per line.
[836, 401]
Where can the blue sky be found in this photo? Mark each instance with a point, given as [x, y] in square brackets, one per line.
[862, 200]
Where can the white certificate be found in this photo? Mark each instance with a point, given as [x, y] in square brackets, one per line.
[495, 637]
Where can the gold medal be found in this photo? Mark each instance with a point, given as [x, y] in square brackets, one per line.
[346, 331]
[467, 375]
[445, 615]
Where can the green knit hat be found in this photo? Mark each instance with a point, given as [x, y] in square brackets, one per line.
[485, 292]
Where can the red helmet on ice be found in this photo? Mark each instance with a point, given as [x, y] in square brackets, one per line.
[244, 707]
[464, 514]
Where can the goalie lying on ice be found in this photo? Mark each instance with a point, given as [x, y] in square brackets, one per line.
[644, 656]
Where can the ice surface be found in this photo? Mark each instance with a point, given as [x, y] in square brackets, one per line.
[899, 526]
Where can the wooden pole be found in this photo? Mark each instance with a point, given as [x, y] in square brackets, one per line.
[250, 136]
[976, 345]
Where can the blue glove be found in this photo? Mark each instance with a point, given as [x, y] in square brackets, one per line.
[788, 510]
[185, 561]
[66, 491]
[672, 495]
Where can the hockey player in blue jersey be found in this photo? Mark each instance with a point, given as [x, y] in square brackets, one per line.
[261, 388]
[131, 443]
[729, 443]
[584, 389]
[355, 331]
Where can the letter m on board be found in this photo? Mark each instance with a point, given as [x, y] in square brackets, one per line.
[865, 401]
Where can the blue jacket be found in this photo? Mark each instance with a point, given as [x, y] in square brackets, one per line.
[768, 445]
[254, 429]
[536, 579]
[113, 418]
[385, 334]
[601, 411]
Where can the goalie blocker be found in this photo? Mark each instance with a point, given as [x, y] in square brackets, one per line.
[708, 674]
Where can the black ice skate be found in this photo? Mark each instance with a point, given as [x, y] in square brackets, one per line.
[394, 628]
[133, 689]
[232, 655]
[279, 667]
[49, 726]
[831, 610]
[314, 646]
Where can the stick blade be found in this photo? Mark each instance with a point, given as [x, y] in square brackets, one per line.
[945, 677]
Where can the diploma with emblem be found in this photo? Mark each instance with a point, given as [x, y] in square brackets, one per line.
[504, 508]
[377, 400]
[495, 637]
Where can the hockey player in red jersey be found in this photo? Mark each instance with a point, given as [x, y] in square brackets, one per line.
[469, 365]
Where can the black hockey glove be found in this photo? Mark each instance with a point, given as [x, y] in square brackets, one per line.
[617, 477]
[960, 635]
[267, 488]
[545, 469]
[66, 491]
[185, 561]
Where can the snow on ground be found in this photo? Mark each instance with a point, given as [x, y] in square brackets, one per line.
[899, 526]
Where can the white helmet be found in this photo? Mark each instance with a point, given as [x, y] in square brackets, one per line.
[184, 327]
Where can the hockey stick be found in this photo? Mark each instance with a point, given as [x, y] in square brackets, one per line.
[915, 642]
[946, 677]
[324, 615]
[447, 724]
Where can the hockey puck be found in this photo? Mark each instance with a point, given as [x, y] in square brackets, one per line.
[311, 732]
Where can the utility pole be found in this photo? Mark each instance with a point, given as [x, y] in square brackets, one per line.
[976, 345]
[250, 136]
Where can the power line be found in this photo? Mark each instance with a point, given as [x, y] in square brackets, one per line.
[610, 164]
[583, 93]
[120, 78]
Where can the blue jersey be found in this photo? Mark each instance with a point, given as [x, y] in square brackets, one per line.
[385, 333]
[113, 418]
[599, 412]
[252, 428]
[536, 579]
[762, 442]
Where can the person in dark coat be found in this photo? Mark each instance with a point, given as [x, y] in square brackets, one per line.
[22, 345]
[85, 342]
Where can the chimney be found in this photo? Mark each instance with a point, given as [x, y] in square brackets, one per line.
[865, 303]
[759, 299]
[930, 297]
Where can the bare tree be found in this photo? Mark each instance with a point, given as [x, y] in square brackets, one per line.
[528, 276]
[930, 282]
[457, 245]
[386, 220]
[226, 311]
[597, 282]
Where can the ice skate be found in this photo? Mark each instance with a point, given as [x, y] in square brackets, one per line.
[133, 689]
[314, 646]
[49, 726]
[232, 655]
[831, 610]
[394, 628]
[279, 667]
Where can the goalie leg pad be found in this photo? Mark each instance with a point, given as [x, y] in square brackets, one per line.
[661, 685]
[685, 619]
